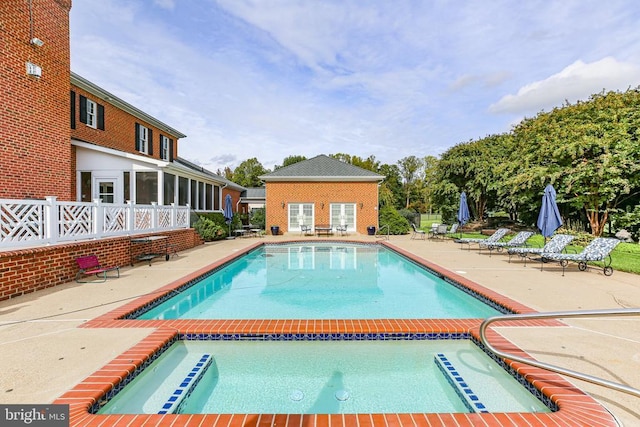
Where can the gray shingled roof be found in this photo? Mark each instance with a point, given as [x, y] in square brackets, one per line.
[322, 168]
[254, 193]
[215, 176]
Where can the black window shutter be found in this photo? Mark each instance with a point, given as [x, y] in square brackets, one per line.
[83, 109]
[171, 150]
[160, 146]
[137, 136]
[73, 110]
[100, 117]
[150, 141]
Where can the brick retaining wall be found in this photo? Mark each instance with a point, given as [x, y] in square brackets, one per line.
[29, 270]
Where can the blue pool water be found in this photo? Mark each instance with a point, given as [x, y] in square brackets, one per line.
[321, 281]
[329, 377]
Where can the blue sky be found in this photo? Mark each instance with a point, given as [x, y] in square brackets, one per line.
[273, 78]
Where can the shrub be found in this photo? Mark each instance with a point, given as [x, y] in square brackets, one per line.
[397, 223]
[630, 221]
[411, 216]
[581, 238]
[258, 217]
[209, 230]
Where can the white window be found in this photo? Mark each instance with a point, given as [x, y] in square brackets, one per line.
[300, 214]
[92, 110]
[143, 139]
[164, 147]
[106, 191]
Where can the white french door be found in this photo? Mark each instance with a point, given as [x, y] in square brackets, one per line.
[300, 214]
[344, 214]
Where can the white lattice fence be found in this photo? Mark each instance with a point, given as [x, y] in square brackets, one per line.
[164, 216]
[114, 219]
[182, 218]
[143, 218]
[21, 220]
[75, 220]
[35, 222]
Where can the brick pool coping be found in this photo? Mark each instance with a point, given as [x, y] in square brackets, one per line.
[575, 408]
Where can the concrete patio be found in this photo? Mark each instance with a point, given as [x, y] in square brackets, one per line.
[44, 352]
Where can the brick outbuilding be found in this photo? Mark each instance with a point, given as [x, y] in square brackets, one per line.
[322, 191]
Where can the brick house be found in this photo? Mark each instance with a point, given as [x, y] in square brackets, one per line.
[63, 136]
[122, 153]
[35, 153]
[322, 191]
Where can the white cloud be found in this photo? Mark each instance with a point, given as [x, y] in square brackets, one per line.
[576, 82]
[273, 78]
[165, 4]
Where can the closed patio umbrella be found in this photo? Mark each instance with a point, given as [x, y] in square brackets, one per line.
[463, 210]
[549, 219]
[228, 211]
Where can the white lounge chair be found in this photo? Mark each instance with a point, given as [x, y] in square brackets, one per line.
[599, 249]
[495, 237]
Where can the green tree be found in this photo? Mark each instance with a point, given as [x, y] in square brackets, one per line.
[290, 160]
[391, 188]
[588, 150]
[427, 184]
[409, 169]
[370, 163]
[247, 173]
[469, 167]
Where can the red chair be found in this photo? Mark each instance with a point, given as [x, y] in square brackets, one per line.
[90, 265]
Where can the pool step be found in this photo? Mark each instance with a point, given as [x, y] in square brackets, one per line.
[187, 385]
[470, 399]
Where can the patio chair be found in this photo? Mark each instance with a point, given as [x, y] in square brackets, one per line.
[518, 240]
[305, 229]
[556, 245]
[89, 265]
[342, 229]
[495, 237]
[453, 230]
[598, 250]
[439, 231]
[417, 233]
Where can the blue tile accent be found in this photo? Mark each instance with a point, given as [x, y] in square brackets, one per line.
[311, 337]
[174, 402]
[466, 394]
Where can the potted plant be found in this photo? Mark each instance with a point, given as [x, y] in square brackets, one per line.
[275, 230]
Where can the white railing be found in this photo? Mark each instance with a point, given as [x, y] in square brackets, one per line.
[37, 222]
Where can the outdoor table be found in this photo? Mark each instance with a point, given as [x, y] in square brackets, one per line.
[148, 254]
[323, 229]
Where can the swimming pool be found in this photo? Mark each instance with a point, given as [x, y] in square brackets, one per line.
[321, 281]
[569, 405]
[329, 377]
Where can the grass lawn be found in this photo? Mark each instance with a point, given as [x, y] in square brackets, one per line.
[426, 220]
